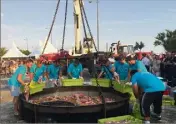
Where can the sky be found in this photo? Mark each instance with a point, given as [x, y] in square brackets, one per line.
[125, 20]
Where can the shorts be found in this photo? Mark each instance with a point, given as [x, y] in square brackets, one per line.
[15, 91]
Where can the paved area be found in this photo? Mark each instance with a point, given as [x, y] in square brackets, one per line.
[168, 115]
[6, 108]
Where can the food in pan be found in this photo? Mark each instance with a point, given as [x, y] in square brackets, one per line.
[78, 99]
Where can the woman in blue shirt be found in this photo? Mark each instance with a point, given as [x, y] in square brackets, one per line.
[75, 70]
[122, 68]
[16, 81]
[109, 70]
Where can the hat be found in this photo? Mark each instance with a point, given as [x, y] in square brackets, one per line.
[111, 60]
[130, 57]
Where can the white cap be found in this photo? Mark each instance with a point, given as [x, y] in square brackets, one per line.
[111, 60]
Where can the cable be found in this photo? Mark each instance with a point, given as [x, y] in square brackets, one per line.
[65, 22]
[84, 26]
[88, 26]
[54, 18]
[100, 90]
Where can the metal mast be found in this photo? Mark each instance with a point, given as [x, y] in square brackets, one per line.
[77, 26]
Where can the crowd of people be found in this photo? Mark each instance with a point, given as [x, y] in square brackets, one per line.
[8, 67]
[143, 74]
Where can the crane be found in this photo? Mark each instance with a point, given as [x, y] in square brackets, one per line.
[83, 45]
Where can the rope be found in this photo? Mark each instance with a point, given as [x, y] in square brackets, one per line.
[84, 25]
[88, 26]
[65, 22]
[54, 18]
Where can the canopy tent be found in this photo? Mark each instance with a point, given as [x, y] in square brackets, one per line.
[14, 52]
[49, 48]
[35, 52]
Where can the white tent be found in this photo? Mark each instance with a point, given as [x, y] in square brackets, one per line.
[49, 48]
[14, 52]
[35, 52]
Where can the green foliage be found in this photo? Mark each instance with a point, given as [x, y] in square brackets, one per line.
[25, 52]
[166, 39]
[139, 46]
[3, 51]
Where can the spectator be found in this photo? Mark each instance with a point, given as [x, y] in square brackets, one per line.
[156, 66]
[146, 61]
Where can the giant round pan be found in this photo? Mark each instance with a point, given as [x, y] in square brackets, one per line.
[121, 99]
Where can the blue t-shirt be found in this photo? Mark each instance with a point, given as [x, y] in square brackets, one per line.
[148, 82]
[138, 66]
[38, 72]
[13, 81]
[75, 70]
[122, 70]
[107, 71]
[53, 71]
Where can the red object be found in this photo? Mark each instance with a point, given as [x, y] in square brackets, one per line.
[166, 92]
[56, 56]
[139, 54]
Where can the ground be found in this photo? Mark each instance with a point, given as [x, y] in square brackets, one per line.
[6, 113]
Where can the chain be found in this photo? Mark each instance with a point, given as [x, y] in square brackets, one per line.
[88, 26]
[65, 22]
[54, 18]
[84, 25]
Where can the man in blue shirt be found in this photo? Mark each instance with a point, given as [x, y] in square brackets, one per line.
[122, 68]
[135, 64]
[16, 80]
[151, 88]
[75, 70]
[38, 72]
[54, 72]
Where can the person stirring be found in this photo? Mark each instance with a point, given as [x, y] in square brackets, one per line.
[151, 92]
[54, 73]
[15, 82]
[75, 70]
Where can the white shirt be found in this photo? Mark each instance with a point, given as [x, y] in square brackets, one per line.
[146, 61]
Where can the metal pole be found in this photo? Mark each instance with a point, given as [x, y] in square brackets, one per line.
[26, 42]
[106, 47]
[98, 25]
[0, 43]
[51, 36]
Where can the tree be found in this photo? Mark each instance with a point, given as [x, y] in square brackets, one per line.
[25, 52]
[166, 39]
[3, 51]
[139, 46]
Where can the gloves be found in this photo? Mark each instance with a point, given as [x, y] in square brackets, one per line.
[62, 78]
[115, 74]
[73, 78]
[80, 77]
[128, 83]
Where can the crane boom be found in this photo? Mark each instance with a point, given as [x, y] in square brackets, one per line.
[77, 26]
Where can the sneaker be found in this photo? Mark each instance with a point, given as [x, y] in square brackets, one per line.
[16, 113]
[157, 116]
[146, 122]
